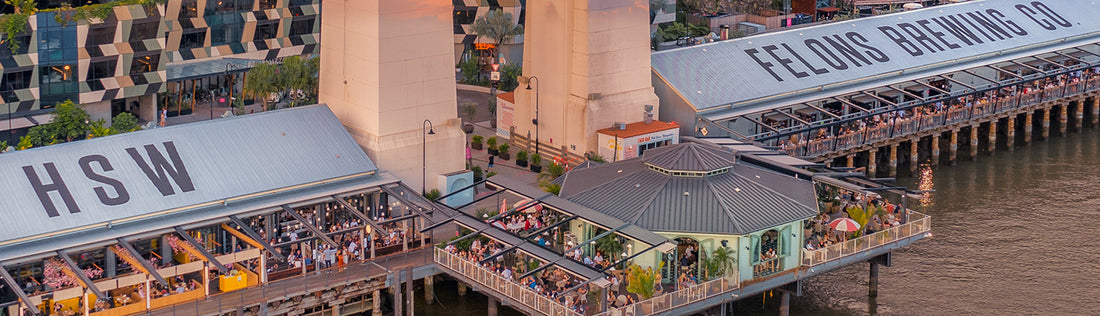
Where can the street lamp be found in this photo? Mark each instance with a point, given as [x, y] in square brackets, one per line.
[424, 155]
[535, 121]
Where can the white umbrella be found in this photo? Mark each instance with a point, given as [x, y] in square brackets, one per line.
[912, 6]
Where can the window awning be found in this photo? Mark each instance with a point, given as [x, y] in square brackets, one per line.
[200, 69]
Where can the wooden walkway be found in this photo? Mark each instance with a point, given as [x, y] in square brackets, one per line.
[296, 286]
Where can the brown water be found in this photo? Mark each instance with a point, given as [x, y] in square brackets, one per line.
[1013, 234]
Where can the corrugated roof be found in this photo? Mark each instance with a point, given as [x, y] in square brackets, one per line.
[744, 200]
[722, 73]
[690, 157]
[203, 163]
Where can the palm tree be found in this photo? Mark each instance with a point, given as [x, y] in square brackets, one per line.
[261, 81]
[610, 246]
[725, 260]
[498, 26]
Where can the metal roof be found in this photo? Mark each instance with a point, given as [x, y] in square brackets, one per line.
[690, 157]
[744, 200]
[714, 75]
[199, 69]
[206, 165]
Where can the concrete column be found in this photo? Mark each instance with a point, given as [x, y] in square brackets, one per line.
[492, 306]
[1027, 128]
[974, 142]
[914, 155]
[851, 161]
[1063, 118]
[1045, 132]
[872, 162]
[376, 303]
[1080, 114]
[1095, 105]
[992, 137]
[893, 160]
[461, 289]
[785, 303]
[109, 263]
[953, 149]
[429, 289]
[1010, 132]
[872, 289]
[935, 150]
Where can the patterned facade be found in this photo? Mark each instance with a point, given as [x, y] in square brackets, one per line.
[120, 63]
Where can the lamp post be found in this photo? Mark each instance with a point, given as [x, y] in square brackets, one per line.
[424, 155]
[536, 120]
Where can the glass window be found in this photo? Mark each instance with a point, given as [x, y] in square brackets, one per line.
[23, 43]
[102, 69]
[56, 74]
[16, 80]
[268, 4]
[189, 9]
[300, 2]
[101, 35]
[144, 30]
[194, 39]
[302, 27]
[465, 15]
[268, 30]
[145, 62]
[225, 28]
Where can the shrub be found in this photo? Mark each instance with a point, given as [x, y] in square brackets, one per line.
[521, 155]
[503, 148]
[492, 142]
[433, 194]
[477, 139]
[536, 160]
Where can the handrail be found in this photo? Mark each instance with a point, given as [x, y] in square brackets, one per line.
[919, 123]
[491, 280]
[918, 224]
[678, 298]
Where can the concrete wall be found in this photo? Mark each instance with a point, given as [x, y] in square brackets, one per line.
[591, 58]
[386, 66]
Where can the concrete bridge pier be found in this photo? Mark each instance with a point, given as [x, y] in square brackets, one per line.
[992, 137]
[872, 162]
[953, 149]
[492, 306]
[1027, 128]
[893, 160]
[1063, 118]
[1010, 131]
[974, 142]
[1095, 105]
[935, 150]
[914, 155]
[1045, 133]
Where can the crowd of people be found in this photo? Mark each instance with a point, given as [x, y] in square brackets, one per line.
[939, 107]
[882, 215]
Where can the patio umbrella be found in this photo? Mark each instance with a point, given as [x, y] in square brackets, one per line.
[912, 6]
[530, 209]
[844, 224]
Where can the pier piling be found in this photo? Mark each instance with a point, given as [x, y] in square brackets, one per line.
[429, 289]
[893, 160]
[1027, 129]
[1080, 115]
[1095, 105]
[992, 137]
[872, 289]
[376, 303]
[1045, 133]
[1010, 132]
[974, 142]
[851, 161]
[953, 150]
[872, 162]
[914, 155]
[1063, 118]
[785, 303]
[935, 150]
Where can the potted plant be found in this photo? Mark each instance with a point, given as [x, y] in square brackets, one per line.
[475, 142]
[478, 173]
[502, 152]
[492, 142]
[536, 163]
[521, 158]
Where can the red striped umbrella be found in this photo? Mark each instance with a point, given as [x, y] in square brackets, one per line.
[844, 224]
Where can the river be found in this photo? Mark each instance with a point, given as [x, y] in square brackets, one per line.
[1011, 236]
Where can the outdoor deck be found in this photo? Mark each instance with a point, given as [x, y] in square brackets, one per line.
[700, 296]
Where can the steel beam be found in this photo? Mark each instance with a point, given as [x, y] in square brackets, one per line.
[141, 261]
[79, 274]
[18, 290]
[248, 231]
[344, 203]
[201, 249]
[955, 81]
[317, 232]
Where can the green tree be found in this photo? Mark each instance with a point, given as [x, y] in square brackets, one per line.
[508, 75]
[262, 81]
[610, 246]
[70, 122]
[471, 73]
[720, 263]
[125, 122]
[642, 281]
[24, 143]
[296, 74]
[99, 129]
[497, 25]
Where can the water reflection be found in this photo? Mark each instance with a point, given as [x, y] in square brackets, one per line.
[925, 184]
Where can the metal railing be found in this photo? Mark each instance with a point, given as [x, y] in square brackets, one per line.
[925, 122]
[675, 299]
[918, 224]
[501, 286]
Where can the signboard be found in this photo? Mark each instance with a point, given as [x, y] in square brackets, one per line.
[494, 76]
[503, 61]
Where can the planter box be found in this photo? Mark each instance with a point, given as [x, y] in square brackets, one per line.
[504, 156]
[493, 152]
[468, 128]
[477, 146]
[521, 163]
[536, 168]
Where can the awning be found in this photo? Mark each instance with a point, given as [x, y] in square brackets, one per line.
[201, 69]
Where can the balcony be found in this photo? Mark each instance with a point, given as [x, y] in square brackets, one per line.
[919, 226]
